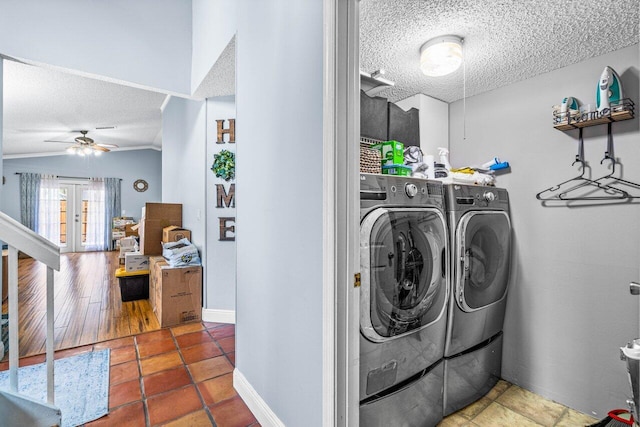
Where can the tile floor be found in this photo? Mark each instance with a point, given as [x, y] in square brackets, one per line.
[182, 376]
[508, 405]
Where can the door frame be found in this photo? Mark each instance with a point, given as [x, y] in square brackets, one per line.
[341, 213]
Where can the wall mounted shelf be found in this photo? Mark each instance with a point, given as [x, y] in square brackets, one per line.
[622, 110]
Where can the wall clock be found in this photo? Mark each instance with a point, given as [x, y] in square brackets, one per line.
[140, 185]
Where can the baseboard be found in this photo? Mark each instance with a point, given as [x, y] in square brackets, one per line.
[265, 416]
[218, 316]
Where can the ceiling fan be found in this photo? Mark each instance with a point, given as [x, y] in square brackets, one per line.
[85, 146]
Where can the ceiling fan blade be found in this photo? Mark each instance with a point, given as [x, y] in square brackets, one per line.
[100, 148]
[53, 140]
[105, 127]
[108, 145]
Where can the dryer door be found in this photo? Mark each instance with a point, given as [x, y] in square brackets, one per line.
[483, 249]
[403, 260]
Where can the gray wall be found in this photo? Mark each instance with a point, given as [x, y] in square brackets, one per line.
[221, 255]
[569, 308]
[127, 165]
[279, 205]
[147, 42]
[184, 164]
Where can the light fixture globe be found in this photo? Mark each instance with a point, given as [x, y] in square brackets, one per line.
[441, 56]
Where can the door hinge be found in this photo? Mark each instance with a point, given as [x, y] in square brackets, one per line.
[356, 280]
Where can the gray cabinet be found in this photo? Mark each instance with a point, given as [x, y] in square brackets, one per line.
[383, 121]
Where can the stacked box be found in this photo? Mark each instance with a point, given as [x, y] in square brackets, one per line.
[173, 233]
[155, 275]
[135, 261]
[118, 226]
[392, 152]
[155, 217]
[177, 291]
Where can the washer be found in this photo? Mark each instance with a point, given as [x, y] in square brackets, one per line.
[403, 300]
[480, 231]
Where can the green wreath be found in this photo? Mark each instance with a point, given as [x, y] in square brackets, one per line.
[224, 165]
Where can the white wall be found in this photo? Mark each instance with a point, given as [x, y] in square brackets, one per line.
[184, 165]
[214, 25]
[126, 165]
[434, 122]
[569, 308]
[147, 42]
[279, 205]
[221, 255]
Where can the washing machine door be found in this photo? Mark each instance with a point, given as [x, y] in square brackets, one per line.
[483, 249]
[403, 265]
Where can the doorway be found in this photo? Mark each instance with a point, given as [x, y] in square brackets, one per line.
[73, 217]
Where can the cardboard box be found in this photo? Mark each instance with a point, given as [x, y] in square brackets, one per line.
[178, 294]
[135, 261]
[134, 285]
[173, 233]
[120, 222]
[117, 234]
[157, 216]
[392, 152]
[155, 275]
[131, 230]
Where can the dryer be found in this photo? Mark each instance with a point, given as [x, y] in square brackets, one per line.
[480, 230]
[403, 300]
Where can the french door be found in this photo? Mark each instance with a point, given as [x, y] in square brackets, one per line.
[73, 217]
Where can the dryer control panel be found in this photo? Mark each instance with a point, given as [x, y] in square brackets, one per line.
[463, 197]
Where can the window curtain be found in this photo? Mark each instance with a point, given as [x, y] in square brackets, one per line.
[29, 199]
[95, 238]
[112, 205]
[48, 209]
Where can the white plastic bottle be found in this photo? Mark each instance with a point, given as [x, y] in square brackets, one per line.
[444, 157]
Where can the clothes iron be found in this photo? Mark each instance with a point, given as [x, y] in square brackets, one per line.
[609, 89]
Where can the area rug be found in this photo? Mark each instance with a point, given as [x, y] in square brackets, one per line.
[81, 386]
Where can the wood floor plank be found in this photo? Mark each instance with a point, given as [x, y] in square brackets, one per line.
[87, 301]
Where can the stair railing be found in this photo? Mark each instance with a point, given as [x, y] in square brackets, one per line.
[20, 238]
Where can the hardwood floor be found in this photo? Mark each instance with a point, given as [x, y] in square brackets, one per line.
[88, 306]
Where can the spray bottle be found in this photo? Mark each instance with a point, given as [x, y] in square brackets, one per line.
[444, 157]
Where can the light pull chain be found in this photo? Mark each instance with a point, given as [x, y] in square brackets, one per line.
[464, 93]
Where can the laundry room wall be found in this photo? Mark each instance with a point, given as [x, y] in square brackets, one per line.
[220, 304]
[569, 308]
[279, 338]
[434, 122]
[127, 165]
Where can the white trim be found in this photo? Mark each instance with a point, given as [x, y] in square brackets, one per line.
[263, 413]
[218, 316]
[64, 153]
[329, 214]
[341, 202]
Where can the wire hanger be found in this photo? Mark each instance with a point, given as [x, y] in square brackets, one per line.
[560, 192]
[612, 180]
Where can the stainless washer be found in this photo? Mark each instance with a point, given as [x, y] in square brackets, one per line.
[480, 231]
[403, 300]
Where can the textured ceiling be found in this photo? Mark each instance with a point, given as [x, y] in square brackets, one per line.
[42, 104]
[505, 41]
[221, 78]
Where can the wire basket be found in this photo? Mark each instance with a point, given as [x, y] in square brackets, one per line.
[370, 158]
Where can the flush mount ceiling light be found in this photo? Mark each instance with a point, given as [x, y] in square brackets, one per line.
[441, 56]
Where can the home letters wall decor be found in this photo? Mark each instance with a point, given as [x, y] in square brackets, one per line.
[226, 198]
[231, 131]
